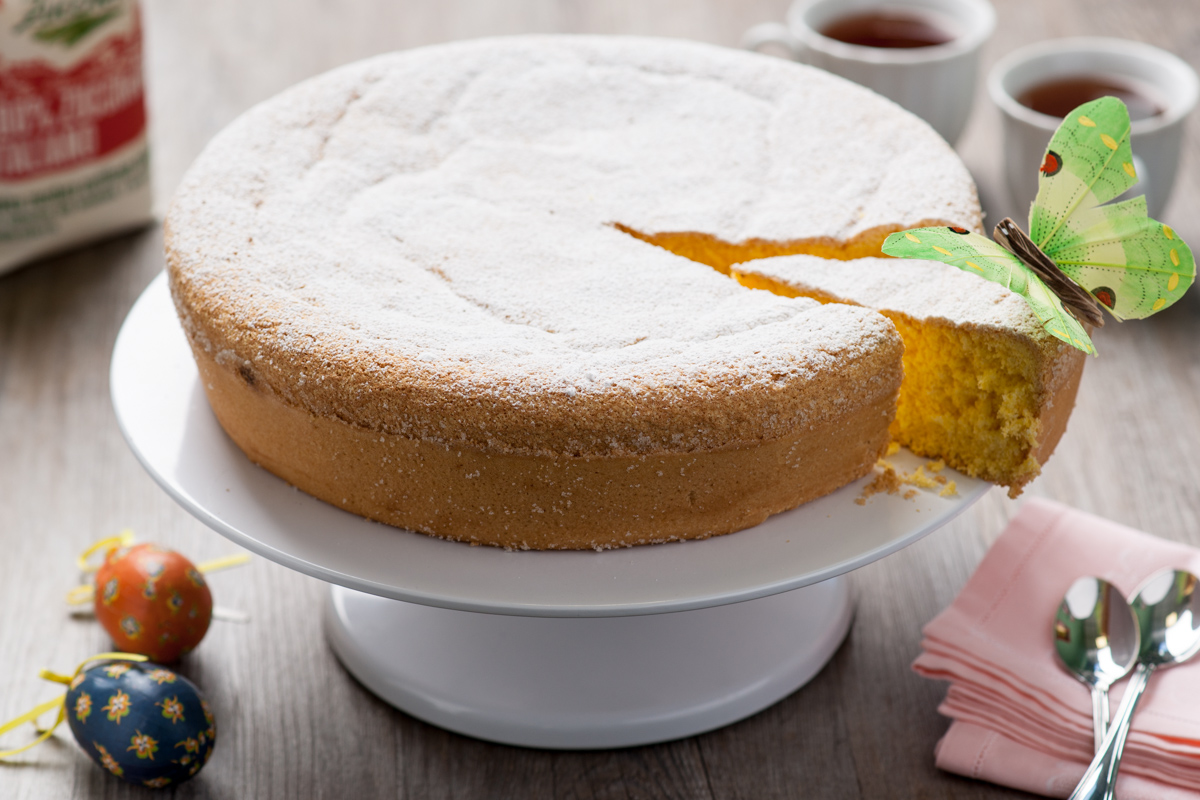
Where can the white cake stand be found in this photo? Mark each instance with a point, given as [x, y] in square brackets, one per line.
[543, 649]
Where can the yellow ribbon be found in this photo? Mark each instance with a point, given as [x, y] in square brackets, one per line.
[122, 539]
[81, 594]
[235, 560]
[85, 593]
[57, 703]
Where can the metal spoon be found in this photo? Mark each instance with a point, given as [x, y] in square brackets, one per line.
[1096, 638]
[1167, 607]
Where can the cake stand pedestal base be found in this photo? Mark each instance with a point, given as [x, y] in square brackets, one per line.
[587, 683]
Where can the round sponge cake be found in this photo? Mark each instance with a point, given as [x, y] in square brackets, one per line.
[426, 287]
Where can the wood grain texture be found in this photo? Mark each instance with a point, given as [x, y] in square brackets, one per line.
[293, 724]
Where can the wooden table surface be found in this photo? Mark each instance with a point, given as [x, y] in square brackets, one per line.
[293, 724]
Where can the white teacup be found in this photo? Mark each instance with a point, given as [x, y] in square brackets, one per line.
[937, 83]
[1164, 78]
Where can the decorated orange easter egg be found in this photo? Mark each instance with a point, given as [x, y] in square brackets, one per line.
[152, 601]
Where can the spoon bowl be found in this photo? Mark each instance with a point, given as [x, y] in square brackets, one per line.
[1096, 638]
[1167, 607]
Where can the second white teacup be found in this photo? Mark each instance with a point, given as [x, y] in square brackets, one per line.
[1168, 81]
[937, 83]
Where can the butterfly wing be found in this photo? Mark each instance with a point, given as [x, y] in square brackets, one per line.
[1088, 162]
[1132, 264]
[973, 253]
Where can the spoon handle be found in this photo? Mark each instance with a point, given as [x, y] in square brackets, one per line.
[1099, 716]
[1100, 780]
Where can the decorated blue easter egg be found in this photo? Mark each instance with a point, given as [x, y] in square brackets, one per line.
[142, 722]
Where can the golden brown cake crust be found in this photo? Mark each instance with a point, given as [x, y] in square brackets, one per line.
[550, 502]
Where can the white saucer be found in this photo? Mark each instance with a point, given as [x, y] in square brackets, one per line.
[759, 612]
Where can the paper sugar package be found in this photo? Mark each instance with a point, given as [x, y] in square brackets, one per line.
[73, 151]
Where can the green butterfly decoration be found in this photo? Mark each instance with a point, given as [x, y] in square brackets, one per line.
[1079, 254]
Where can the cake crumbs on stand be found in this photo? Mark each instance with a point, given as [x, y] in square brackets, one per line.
[891, 481]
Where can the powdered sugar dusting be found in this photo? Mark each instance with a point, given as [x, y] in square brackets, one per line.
[918, 289]
[423, 242]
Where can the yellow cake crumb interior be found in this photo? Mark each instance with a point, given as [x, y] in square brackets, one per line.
[970, 399]
[967, 397]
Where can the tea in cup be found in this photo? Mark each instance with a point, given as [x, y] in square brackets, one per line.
[922, 54]
[1037, 85]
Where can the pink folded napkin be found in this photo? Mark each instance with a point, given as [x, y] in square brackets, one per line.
[1019, 719]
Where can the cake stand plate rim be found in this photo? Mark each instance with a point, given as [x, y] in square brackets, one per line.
[162, 413]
